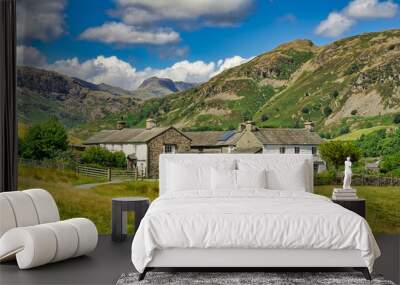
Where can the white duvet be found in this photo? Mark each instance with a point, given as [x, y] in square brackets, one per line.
[250, 219]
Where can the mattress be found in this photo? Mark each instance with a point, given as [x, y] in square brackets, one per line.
[250, 219]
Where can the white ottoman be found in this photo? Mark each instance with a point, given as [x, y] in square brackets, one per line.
[33, 243]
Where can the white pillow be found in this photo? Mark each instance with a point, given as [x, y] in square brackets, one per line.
[251, 178]
[189, 175]
[283, 173]
[223, 179]
[186, 178]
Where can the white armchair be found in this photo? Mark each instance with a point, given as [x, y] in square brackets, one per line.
[31, 230]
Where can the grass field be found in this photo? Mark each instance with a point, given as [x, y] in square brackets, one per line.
[383, 211]
[383, 206]
[354, 135]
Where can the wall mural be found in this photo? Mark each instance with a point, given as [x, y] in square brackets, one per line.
[104, 87]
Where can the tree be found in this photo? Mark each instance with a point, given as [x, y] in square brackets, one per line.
[44, 141]
[327, 111]
[336, 152]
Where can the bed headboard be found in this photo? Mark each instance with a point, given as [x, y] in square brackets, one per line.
[282, 161]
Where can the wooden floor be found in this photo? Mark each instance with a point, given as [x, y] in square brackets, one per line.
[110, 260]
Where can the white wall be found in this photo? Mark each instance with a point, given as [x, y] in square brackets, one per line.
[289, 149]
[139, 149]
[304, 149]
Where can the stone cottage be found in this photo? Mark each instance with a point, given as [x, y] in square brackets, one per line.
[142, 146]
[248, 138]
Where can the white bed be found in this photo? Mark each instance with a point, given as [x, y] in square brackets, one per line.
[207, 226]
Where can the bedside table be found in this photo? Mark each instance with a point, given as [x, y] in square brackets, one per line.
[356, 205]
[120, 207]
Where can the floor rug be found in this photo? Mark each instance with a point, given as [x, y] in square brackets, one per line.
[244, 278]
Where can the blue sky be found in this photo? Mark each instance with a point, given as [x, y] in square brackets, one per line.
[122, 41]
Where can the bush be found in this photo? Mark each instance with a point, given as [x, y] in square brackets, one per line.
[396, 119]
[327, 111]
[354, 67]
[305, 110]
[334, 94]
[46, 140]
[103, 157]
[390, 163]
[344, 130]
[354, 112]
[264, 118]
[119, 159]
[336, 152]
[372, 144]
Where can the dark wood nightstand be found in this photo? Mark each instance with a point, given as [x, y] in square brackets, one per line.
[356, 205]
[120, 207]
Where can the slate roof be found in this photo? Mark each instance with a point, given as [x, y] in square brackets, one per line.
[287, 136]
[209, 138]
[212, 138]
[256, 149]
[126, 135]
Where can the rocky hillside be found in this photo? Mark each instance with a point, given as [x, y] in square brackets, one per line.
[347, 85]
[154, 87]
[42, 94]
[352, 83]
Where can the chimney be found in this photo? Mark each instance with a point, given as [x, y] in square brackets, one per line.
[309, 126]
[121, 125]
[150, 123]
[250, 126]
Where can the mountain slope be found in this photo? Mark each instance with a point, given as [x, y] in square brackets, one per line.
[352, 82]
[42, 94]
[154, 87]
[344, 83]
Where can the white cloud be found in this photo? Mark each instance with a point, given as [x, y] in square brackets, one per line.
[211, 11]
[334, 25]
[196, 71]
[40, 20]
[339, 22]
[230, 62]
[110, 70]
[116, 72]
[30, 56]
[364, 9]
[121, 33]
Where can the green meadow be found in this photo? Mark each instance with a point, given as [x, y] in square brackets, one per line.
[383, 211]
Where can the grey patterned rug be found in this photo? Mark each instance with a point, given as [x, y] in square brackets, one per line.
[243, 278]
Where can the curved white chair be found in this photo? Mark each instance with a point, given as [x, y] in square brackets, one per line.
[31, 231]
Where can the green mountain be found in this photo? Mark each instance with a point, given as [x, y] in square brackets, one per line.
[42, 94]
[349, 84]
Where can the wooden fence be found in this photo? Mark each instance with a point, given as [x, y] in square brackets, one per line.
[363, 180]
[107, 173]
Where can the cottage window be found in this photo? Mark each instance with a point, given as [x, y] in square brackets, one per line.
[169, 148]
[296, 149]
[314, 150]
[282, 149]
